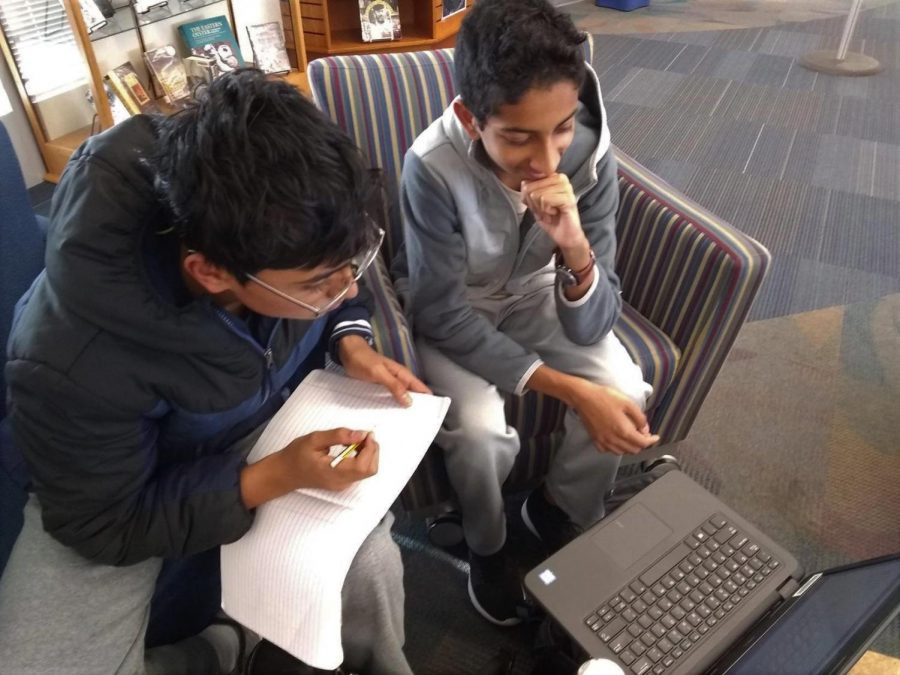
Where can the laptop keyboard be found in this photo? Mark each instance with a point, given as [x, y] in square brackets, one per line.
[655, 621]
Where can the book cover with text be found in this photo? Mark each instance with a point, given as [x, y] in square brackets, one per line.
[128, 87]
[166, 67]
[269, 54]
[214, 39]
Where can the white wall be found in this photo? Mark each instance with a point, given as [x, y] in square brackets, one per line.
[16, 124]
[251, 13]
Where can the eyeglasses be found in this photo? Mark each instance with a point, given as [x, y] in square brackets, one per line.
[358, 265]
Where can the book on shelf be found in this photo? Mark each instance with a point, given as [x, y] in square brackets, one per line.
[128, 88]
[93, 17]
[167, 69]
[116, 107]
[213, 39]
[200, 70]
[267, 42]
[379, 20]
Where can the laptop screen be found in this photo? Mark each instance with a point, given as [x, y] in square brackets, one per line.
[833, 619]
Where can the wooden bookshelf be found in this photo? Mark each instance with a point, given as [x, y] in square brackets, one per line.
[331, 27]
[55, 151]
[300, 81]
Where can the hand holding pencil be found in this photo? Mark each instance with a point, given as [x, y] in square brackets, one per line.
[306, 462]
[348, 452]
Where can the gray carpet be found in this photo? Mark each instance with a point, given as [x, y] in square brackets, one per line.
[808, 164]
[800, 430]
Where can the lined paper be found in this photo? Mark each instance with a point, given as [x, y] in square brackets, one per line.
[283, 578]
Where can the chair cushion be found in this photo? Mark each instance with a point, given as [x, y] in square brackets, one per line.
[383, 102]
[392, 336]
[534, 415]
[539, 418]
[651, 349]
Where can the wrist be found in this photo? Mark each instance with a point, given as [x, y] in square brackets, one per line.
[575, 280]
[577, 256]
[265, 480]
[557, 384]
[351, 343]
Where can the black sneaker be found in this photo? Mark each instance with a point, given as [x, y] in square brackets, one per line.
[494, 588]
[548, 522]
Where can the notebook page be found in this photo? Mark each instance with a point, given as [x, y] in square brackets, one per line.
[328, 402]
[283, 578]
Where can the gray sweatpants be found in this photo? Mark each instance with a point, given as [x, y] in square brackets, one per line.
[62, 614]
[480, 447]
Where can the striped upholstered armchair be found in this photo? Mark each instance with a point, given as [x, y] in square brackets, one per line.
[688, 278]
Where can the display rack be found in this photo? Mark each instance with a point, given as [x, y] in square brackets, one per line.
[332, 27]
[56, 149]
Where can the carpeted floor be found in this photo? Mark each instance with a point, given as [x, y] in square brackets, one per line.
[800, 431]
[703, 15]
[809, 164]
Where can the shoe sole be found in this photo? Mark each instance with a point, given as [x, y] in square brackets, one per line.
[504, 623]
[527, 521]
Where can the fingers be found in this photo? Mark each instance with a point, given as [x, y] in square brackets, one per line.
[364, 465]
[399, 380]
[547, 206]
[415, 384]
[548, 197]
[323, 440]
[404, 374]
[397, 387]
[634, 413]
[551, 181]
[628, 431]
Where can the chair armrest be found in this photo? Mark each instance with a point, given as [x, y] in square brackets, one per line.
[689, 273]
[389, 325]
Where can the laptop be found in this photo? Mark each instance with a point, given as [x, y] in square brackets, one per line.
[675, 582]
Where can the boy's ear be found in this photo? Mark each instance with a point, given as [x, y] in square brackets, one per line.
[211, 277]
[467, 119]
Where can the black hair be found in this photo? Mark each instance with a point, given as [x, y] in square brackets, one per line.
[506, 47]
[257, 178]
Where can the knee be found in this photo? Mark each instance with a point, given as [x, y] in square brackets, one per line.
[630, 382]
[639, 391]
[475, 421]
[377, 568]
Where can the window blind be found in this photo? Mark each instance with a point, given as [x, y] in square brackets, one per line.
[43, 46]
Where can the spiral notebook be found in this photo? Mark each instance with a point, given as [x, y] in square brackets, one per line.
[283, 578]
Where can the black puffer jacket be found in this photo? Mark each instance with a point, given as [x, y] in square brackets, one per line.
[126, 394]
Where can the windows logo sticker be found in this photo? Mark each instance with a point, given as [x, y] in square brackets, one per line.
[547, 577]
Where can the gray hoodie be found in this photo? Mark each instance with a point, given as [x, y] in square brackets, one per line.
[466, 250]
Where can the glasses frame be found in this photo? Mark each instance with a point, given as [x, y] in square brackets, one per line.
[361, 267]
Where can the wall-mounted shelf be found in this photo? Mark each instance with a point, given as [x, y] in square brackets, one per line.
[126, 19]
[331, 27]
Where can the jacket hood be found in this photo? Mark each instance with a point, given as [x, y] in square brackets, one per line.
[579, 163]
[112, 258]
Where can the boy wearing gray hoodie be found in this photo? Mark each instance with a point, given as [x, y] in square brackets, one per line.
[509, 207]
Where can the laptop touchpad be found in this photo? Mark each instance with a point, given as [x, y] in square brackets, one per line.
[630, 535]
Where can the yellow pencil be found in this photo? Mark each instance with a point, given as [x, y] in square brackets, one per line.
[349, 451]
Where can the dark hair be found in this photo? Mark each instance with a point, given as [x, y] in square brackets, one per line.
[256, 177]
[506, 47]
